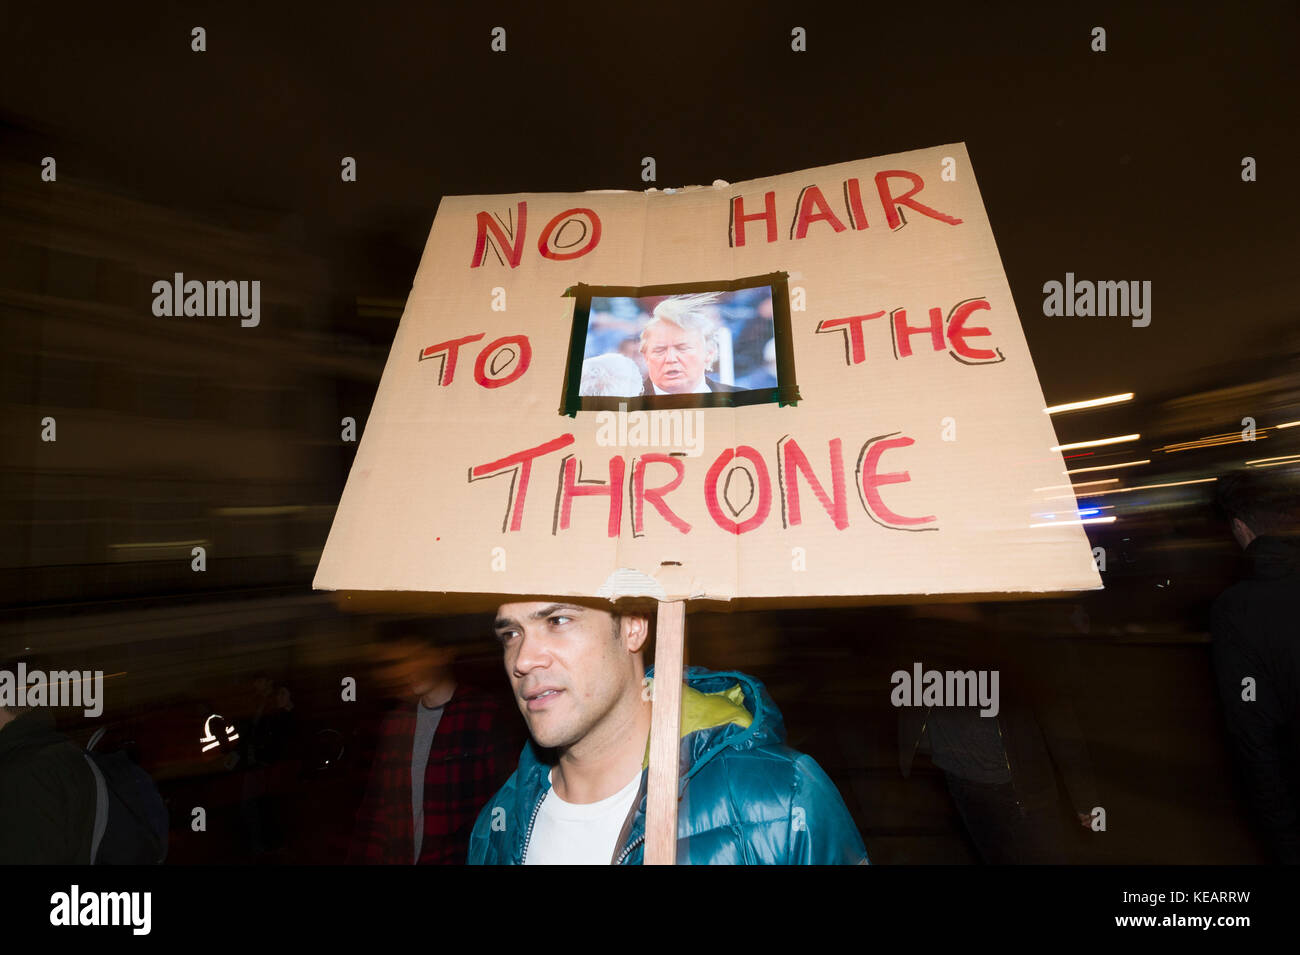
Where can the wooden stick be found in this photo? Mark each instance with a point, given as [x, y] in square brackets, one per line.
[665, 730]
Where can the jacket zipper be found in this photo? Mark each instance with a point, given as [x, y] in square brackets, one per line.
[628, 823]
[628, 851]
[529, 834]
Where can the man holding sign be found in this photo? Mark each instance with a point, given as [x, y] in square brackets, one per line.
[844, 481]
[579, 793]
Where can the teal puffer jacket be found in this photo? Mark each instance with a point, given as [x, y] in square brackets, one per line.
[745, 797]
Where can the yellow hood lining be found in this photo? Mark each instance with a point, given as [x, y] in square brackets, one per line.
[702, 711]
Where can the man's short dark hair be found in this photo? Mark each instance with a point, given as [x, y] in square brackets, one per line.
[1263, 500]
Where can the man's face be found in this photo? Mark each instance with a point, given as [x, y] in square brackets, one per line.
[569, 667]
[675, 357]
[411, 668]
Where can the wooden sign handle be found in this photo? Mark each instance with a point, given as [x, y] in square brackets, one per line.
[665, 730]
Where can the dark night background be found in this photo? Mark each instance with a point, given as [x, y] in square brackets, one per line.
[1122, 165]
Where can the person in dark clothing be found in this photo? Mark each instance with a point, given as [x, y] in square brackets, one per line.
[1000, 769]
[47, 793]
[271, 757]
[441, 753]
[1256, 650]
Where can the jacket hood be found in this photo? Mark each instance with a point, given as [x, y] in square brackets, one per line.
[722, 709]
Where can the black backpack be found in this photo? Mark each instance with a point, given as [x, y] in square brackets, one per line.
[131, 820]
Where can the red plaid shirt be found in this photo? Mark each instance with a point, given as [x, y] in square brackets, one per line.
[475, 749]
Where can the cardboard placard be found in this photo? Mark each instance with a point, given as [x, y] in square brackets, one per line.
[902, 448]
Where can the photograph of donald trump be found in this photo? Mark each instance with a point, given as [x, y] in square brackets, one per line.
[692, 344]
[680, 347]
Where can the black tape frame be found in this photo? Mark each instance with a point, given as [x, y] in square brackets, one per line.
[785, 393]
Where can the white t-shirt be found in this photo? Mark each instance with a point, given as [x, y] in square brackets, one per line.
[567, 833]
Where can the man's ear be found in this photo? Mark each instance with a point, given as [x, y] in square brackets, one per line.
[636, 630]
[1241, 532]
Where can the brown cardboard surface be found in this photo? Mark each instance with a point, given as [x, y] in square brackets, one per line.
[411, 520]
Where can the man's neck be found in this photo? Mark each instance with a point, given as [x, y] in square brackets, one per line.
[439, 694]
[595, 769]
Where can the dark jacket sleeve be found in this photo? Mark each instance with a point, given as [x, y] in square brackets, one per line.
[1257, 729]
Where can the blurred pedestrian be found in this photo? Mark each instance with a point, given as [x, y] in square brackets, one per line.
[1256, 650]
[442, 752]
